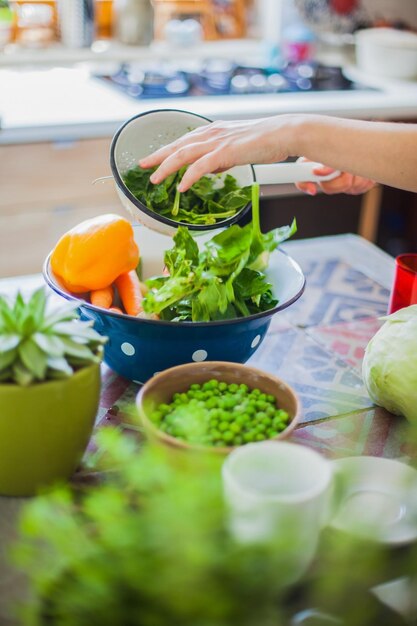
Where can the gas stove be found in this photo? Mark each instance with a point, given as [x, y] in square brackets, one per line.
[220, 77]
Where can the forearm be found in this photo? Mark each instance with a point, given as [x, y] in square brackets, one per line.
[382, 151]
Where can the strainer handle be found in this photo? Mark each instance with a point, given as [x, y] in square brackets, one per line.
[281, 173]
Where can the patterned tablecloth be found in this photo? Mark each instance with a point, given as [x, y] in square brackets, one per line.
[316, 346]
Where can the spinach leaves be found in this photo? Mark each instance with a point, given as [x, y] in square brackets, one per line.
[223, 280]
[207, 202]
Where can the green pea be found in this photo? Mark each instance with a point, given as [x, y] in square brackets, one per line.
[222, 386]
[228, 436]
[215, 434]
[229, 403]
[271, 398]
[270, 411]
[259, 437]
[212, 403]
[156, 416]
[223, 426]
[235, 428]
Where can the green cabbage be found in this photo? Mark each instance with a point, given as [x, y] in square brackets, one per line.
[389, 366]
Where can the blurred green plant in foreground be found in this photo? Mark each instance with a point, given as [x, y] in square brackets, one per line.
[149, 546]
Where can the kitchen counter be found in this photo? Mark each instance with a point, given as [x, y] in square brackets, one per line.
[65, 104]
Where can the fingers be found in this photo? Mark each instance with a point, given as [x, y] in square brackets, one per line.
[361, 185]
[205, 165]
[323, 170]
[180, 157]
[308, 188]
[341, 184]
[336, 185]
[345, 183]
[157, 157]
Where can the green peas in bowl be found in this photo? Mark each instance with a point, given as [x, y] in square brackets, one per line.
[216, 406]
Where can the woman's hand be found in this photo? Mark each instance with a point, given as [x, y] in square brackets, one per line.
[345, 144]
[221, 145]
[345, 183]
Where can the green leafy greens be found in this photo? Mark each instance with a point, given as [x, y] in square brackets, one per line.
[224, 280]
[207, 202]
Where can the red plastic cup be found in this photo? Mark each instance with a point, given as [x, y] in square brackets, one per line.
[404, 288]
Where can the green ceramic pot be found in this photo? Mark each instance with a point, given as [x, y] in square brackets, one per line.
[45, 429]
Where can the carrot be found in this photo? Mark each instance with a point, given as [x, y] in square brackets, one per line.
[102, 297]
[130, 294]
[115, 309]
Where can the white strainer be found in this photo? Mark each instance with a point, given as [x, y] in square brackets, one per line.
[147, 132]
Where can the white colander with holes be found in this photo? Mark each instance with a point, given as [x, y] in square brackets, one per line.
[146, 132]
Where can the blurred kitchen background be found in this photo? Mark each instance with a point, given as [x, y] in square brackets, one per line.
[71, 71]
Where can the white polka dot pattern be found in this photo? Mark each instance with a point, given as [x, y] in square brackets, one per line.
[199, 355]
[255, 341]
[127, 349]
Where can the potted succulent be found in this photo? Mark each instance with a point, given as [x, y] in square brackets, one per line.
[49, 391]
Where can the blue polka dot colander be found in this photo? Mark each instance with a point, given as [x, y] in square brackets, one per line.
[139, 348]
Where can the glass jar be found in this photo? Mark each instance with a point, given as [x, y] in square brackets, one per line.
[76, 23]
[133, 21]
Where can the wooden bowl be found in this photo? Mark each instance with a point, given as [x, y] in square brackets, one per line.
[161, 388]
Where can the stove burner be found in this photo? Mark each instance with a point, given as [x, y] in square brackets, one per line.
[150, 84]
[221, 77]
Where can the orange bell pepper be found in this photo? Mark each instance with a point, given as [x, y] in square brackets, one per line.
[94, 253]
